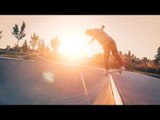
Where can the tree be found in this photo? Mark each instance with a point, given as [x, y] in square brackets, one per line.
[19, 34]
[157, 57]
[16, 48]
[41, 46]
[129, 55]
[25, 46]
[55, 43]
[120, 53]
[34, 41]
[47, 49]
[144, 61]
[0, 34]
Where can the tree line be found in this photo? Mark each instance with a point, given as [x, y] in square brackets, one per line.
[131, 62]
[36, 44]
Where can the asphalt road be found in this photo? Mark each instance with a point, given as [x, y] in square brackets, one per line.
[45, 83]
[137, 89]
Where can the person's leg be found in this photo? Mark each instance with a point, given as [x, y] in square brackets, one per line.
[106, 56]
[115, 53]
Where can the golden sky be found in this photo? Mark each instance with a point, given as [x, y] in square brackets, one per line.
[138, 33]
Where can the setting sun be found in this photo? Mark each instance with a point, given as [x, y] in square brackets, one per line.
[72, 47]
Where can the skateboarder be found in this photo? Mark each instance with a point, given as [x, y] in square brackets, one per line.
[108, 45]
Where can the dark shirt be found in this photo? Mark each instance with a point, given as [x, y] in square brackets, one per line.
[102, 37]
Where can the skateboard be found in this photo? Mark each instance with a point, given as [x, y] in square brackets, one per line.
[119, 71]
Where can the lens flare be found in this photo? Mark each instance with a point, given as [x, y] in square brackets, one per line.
[48, 77]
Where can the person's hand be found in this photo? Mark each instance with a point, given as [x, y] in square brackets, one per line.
[102, 27]
[89, 42]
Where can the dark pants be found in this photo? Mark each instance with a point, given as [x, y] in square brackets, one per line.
[111, 47]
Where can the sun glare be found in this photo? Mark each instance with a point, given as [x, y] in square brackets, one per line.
[72, 48]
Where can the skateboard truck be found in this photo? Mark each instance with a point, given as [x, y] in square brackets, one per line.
[110, 72]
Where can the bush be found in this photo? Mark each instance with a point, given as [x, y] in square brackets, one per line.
[10, 55]
[147, 69]
[29, 57]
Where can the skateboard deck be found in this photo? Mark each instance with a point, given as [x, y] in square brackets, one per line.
[115, 71]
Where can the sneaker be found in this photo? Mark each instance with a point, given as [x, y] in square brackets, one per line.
[107, 71]
[123, 68]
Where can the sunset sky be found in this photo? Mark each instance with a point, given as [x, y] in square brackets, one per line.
[138, 33]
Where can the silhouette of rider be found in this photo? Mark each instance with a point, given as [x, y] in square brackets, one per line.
[108, 45]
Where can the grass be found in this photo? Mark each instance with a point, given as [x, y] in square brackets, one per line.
[17, 55]
[10, 55]
[146, 73]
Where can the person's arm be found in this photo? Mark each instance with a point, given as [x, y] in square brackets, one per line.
[89, 42]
